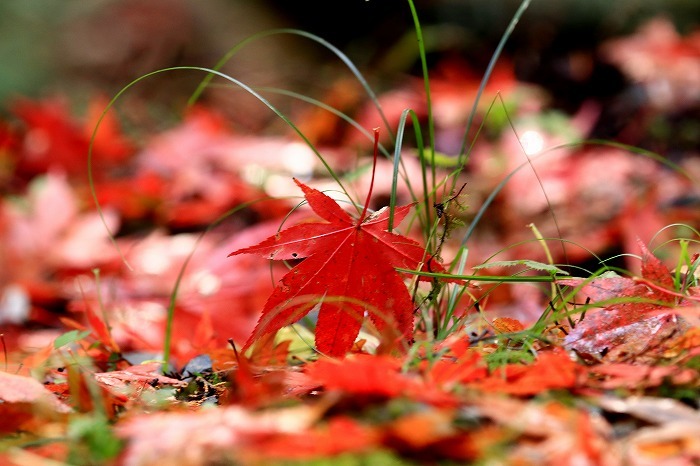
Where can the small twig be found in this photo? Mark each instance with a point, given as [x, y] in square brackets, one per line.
[440, 206]
[583, 314]
[235, 351]
[4, 349]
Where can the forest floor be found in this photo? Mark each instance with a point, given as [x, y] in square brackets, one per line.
[528, 296]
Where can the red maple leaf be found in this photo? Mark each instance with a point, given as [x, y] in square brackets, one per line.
[349, 271]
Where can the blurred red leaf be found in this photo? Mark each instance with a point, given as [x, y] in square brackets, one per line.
[638, 376]
[552, 370]
[360, 374]
[191, 174]
[348, 271]
[210, 435]
[143, 374]
[657, 55]
[372, 376]
[431, 433]
[134, 197]
[8, 139]
[340, 435]
[24, 402]
[109, 144]
[268, 353]
[100, 329]
[53, 139]
[467, 368]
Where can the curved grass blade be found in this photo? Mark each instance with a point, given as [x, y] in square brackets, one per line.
[209, 71]
[530, 264]
[463, 157]
[398, 161]
[428, 100]
[172, 299]
[298, 32]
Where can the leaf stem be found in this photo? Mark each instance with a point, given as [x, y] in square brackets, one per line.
[371, 183]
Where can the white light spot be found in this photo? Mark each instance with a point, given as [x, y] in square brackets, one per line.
[298, 159]
[532, 142]
[14, 305]
[254, 174]
[183, 245]
[206, 283]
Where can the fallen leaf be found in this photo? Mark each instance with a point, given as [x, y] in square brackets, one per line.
[447, 373]
[339, 435]
[507, 325]
[25, 403]
[650, 409]
[200, 438]
[610, 376]
[642, 321]
[348, 271]
[675, 442]
[360, 374]
[552, 370]
[145, 373]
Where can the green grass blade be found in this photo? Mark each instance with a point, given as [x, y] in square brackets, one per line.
[428, 100]
[209, 71]
[172, 300]
[488, 278]
[343, 57]
[463, 156]
[397, 161]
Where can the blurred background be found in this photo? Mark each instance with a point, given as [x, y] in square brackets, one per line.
[78, 48]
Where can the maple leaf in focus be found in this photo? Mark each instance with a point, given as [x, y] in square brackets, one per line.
[348, 271]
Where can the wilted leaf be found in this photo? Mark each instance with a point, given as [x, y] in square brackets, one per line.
[642, 321]
[143, 374]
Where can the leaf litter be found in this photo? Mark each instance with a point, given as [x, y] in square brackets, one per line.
[612, 379]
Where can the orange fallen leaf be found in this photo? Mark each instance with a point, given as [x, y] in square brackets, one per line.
[507, 325]
[552, 370]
